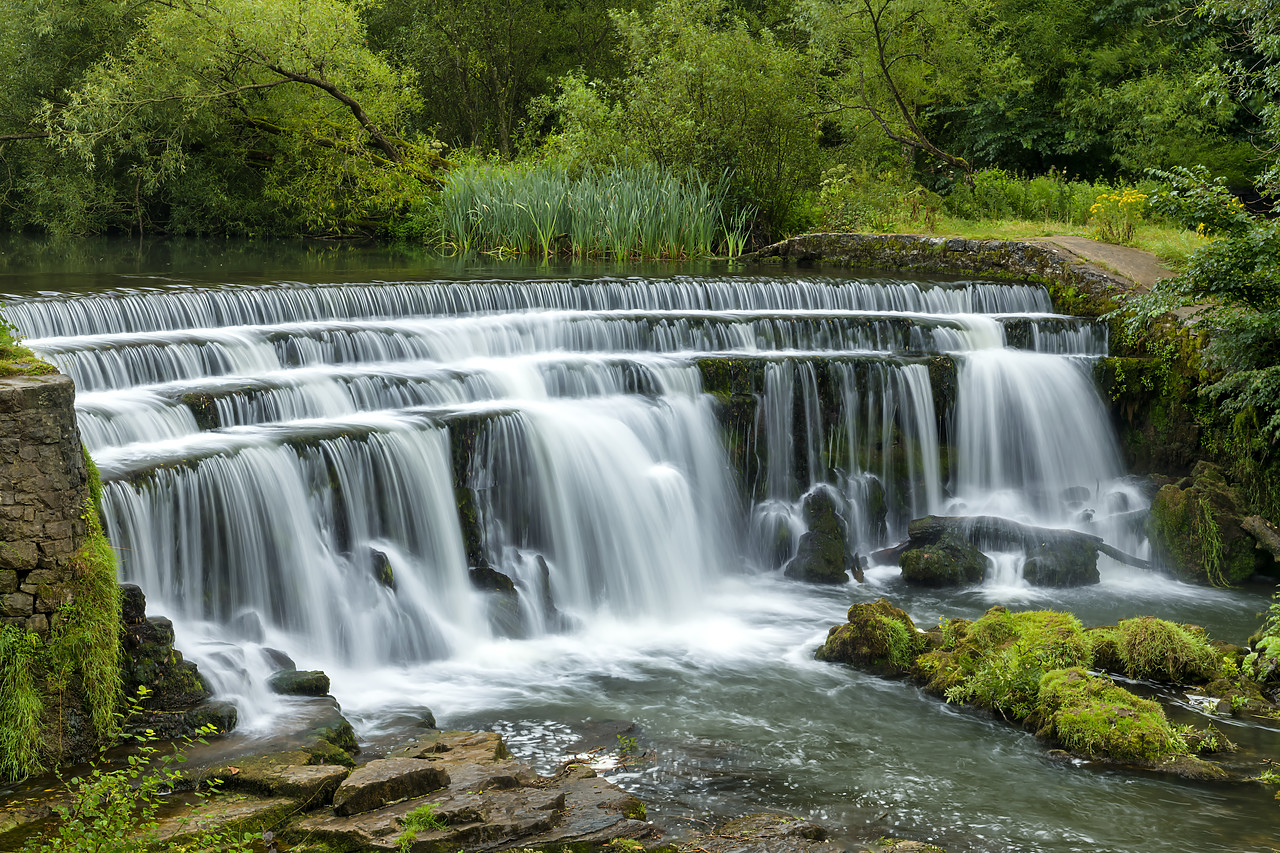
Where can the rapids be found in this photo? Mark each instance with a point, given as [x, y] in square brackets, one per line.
[313, 468]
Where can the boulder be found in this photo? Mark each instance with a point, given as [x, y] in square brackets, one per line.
[387, 780]
[948, 560]
[292, 682]
[878, 638]
[823, 555]
[1196, 531]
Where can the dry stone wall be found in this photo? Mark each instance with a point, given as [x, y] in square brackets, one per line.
[43, 489]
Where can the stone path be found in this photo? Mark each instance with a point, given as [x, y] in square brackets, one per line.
[1141, 267]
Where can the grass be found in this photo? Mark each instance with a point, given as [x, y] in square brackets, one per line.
[625, 213]
[421, 819]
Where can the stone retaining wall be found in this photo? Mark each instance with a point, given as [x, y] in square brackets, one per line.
[43, 488]
[957, 256]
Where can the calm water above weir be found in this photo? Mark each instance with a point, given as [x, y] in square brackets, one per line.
[308, 454]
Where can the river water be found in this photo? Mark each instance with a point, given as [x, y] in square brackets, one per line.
[285, 432]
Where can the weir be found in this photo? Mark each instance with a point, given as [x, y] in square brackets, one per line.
[319, 469]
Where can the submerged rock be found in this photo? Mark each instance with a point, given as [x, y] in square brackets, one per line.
[948, 560]
[823, 555]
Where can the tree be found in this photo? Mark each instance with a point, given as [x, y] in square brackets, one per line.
[701, 90]
[231, 114]
[885, 62]
[479, 62]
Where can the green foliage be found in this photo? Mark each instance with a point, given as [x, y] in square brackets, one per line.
[1263, 662]
[80, 658]
[999, 194]
[1198, 202]
[1008, 655]
[15, 359]
[1155, 649]
[421, 819]
[701, 90]
[855, 199]
[21, 702]
[626, 212]
[1092, 716]
[117, 809]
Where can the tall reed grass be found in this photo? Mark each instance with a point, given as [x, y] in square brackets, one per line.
[626, 212]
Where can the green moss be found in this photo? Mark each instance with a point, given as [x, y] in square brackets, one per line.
[21, 702]
[997, 662]
[1091, 716]
[1155, 649]
[878, 637]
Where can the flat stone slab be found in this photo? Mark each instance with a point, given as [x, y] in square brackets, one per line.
[284, 774]
[490, 803]
[236, 812]
[387, 780]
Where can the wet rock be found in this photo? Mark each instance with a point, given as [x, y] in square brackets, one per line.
[947, 560]
[387, 780]
[133, 605]
[823, 555]
[291, 682]
[231, 813]
[765, 832]
[878, 638]
[1196, 531]
[382, 571]
[285, 774]
[279, 659]
[490, 580]
[489, 802]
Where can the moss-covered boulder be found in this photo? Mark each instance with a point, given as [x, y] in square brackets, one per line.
[949, 560]
[1064, 562]
[1195, 530]
[997, 661]
[823, 555]
[293, 682]
[1091, 716]
[878, 638]
[1157, 650]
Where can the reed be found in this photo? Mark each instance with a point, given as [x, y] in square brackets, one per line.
[626, 212]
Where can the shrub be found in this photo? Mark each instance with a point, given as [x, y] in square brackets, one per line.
[1116, 214]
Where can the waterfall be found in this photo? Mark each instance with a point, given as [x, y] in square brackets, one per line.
[324, 469]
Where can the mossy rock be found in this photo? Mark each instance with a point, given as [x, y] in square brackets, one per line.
[293, 682]
[997, 661]
[878, 638]
[1195, 531]
[1091, 716]
[949, 561]
[1154, 649]
[823, 555]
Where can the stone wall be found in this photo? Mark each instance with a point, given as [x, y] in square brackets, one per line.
[1089, 292]
[43, 488]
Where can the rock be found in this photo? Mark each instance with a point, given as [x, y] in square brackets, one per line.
[285, 774]
[232, 813]
[1196, 531]
[489, 802]
[387, 780]
[291, 682]
[490, 580]
[765, 832]
[949, 560]
[279, 659]
[878, 638]
[382, 571]
[133, 605]
[823, 555]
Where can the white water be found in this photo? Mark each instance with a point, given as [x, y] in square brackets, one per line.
[592, 450]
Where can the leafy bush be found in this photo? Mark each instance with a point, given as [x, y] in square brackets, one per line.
[1198, 203]
[117, 810]
[1116, 214]
[998, 194]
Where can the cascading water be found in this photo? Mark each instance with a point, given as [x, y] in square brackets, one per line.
[321, 469]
